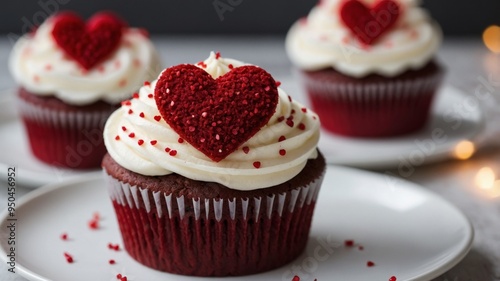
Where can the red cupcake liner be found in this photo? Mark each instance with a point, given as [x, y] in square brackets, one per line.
[68, 139]
[376, 109]
[213, 237]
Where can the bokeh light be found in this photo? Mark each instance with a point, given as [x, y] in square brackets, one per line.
[464, 150]
[491, 38]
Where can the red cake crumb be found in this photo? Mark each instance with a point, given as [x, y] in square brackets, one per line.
[349, 243]
[111, 261]
[69, 258]
[370, 264]
[93, 224]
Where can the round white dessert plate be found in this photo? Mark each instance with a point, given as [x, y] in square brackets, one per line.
[452, 120]
[405, 230]
[15, 151]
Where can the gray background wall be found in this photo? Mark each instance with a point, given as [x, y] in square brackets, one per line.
[457, 17]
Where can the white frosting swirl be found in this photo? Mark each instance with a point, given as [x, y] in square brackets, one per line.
[40, 66]
[321, 41]
[279, 160]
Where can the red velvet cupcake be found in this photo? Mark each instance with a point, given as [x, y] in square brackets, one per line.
[68, 89]
[368, 66]
[213, 171]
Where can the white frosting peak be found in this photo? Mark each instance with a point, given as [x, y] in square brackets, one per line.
[282, 150]
[40, 66]
[321, 41]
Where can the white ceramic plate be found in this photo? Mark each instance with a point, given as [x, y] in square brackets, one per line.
[406, 231]
[451, 116]
[16, 152]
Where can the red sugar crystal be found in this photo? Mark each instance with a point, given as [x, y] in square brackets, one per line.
[124, 128]
[393, 278]
[64, 236]
[180, 140]
[93, 224]
[140, 142]
[112, 261]
[256, 164]
[157, 118]
[167, 149]
[131, 135]
[141, 114]
[135, 95]
[349, 243]
[282, 152]
[150, 96]
[130, 111]
[153, 142]
[370, 264]
[117, 137]
[173, 152]
[230, 66]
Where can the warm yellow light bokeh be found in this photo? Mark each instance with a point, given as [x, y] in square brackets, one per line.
[491, 38]
[485, 178]
[464, 150]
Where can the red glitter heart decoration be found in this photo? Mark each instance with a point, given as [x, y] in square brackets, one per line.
[368, 24]
[90, 43]
[216, 116]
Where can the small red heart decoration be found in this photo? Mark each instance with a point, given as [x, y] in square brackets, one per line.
[88, 44]
[216, 116]
[369, 24]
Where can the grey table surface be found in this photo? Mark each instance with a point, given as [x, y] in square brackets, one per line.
[467, 62]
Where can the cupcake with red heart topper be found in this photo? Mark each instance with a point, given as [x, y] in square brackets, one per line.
[72, 75]
[213, 170]
[368, 66]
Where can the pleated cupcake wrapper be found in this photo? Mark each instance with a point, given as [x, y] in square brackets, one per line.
[388, 108]
[213, 237]
[63, 138]
[134, 197]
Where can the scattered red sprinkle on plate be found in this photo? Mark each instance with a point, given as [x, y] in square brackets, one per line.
[64, 236]
[93, 224]
[361, 248]
[68, 257]
[112, 261]
[112, 246]
[370, 264]
[393, 278]
[296, 278]
[349, 243]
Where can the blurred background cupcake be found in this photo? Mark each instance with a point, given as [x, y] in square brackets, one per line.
[368, 66]
[72, 75]
[233, 197]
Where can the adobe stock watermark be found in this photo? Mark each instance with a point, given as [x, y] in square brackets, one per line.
[322, 250]
[453, 119]
[47, 8]
[223, 6]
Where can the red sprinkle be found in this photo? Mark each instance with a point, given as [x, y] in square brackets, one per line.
[153, 142]
[131, 135]
[180, 140]
[141, 114]
[118, 276]
[370, 264]
[290, 98]
[282, 152]
[124, 128]
[282, 138]
[112, 261]
[147, 83]
[130, 111]
[230, 66]
[304, 109]
[173, 152]
[246, 149]
[256, 164]
[140, 142]
[117, 137]
[302, 126]
[135, 95]
[296, 278]
[157, 118]
[217, 55]
[68, 257]
[293, 111]
[281, 118]
[94, 224]
[126, 102]
[393, 278]
[64, 236]
[167, 150]
[202, 64]
[124, 278]
[289, 122]
[349, 243]
[150, 96]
